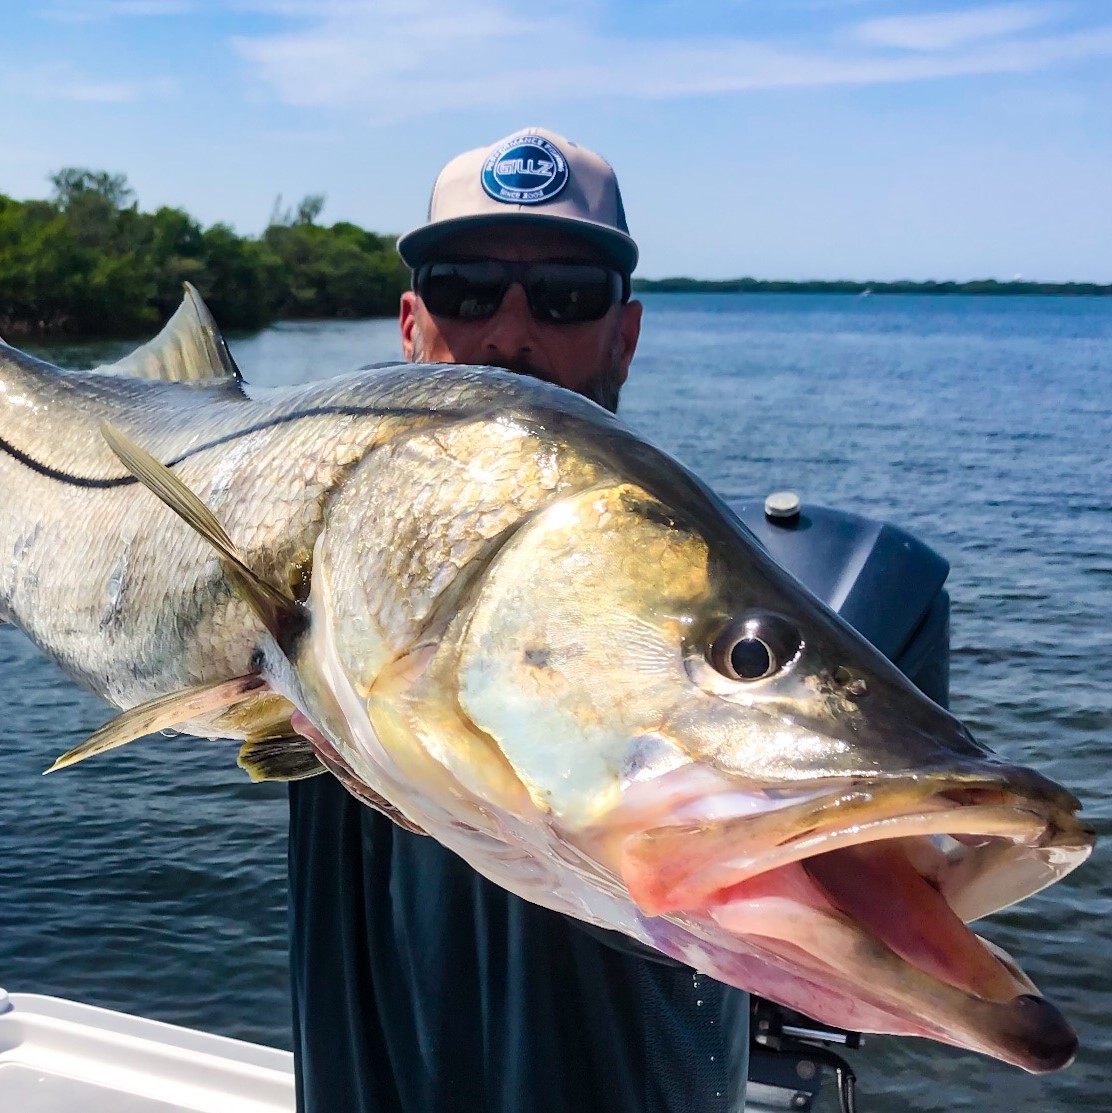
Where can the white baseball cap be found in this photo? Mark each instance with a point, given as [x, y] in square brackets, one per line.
[532, 177]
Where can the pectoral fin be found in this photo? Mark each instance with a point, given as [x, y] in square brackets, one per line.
[161, 713]
[282, 615]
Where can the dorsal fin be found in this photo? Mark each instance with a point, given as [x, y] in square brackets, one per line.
[189, 349]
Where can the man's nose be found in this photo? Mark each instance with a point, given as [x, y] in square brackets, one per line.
[510, 330]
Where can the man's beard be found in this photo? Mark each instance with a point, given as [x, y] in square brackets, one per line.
[604, 387]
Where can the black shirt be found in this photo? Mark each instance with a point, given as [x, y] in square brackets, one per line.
[421, 987]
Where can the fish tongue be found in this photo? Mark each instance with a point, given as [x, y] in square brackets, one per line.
[877, 887]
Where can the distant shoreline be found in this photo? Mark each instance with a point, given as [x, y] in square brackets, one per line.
[773, 286]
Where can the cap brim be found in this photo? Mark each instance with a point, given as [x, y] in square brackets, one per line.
[421, 244]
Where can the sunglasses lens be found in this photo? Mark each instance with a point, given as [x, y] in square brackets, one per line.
[564, 293]
[468, 291]
[558, 293]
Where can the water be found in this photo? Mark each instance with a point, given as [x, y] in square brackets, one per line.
[153, 880]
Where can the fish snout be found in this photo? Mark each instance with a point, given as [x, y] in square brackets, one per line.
[1037, 1034]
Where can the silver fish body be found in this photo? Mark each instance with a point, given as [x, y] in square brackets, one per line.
[126, 599]
[541, 640]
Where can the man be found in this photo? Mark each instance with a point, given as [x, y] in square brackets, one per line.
[418, 986]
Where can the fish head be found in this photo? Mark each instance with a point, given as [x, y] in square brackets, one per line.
[626, 668]
[691, 717]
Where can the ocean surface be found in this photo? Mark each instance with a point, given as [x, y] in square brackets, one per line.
[153, 880]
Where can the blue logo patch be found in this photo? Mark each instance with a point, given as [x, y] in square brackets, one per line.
[526, 170]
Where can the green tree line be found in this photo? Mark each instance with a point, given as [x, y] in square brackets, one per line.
[848, 286]
[87, 262]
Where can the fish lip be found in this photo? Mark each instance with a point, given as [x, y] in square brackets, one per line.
[736, 848]
[1027, 1031]
[1058, 1045]
[1036, 837]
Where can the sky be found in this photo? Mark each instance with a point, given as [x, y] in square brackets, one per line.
[863, 139]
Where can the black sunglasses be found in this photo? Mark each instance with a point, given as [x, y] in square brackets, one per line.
[558, 293]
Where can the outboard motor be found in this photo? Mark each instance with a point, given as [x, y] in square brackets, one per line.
[888, 585]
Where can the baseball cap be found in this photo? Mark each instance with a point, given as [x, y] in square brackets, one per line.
[532, 177]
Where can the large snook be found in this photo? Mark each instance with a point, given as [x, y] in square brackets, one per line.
[498, 614]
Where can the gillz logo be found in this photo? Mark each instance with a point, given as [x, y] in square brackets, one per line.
[510, 166]
[525, 170]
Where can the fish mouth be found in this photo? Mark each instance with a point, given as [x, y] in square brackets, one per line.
[865, 891]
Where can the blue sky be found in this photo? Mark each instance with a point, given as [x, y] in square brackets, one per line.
[777, 138]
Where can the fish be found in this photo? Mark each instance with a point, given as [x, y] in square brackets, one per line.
[503, 618]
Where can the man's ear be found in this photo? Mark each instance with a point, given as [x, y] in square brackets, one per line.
[628, 332]
[407, 320]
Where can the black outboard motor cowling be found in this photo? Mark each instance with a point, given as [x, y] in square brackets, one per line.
[886, 583]
[889, 586]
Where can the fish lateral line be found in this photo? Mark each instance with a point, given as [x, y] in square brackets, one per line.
[111, 482]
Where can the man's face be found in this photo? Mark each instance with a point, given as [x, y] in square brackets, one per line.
[591, 357]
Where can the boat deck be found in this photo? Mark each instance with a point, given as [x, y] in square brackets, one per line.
[58, 1056]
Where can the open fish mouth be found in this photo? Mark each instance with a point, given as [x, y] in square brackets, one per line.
[865, 892]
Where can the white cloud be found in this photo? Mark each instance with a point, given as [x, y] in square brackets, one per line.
[397, 53]
[826, 5]
[149, 7]
[61, 82]
[947, 30]
[88, 11]
[429, 55]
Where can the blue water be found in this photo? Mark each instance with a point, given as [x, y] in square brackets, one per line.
[153, 880]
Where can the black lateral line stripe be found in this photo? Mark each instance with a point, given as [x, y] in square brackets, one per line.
[127, 479]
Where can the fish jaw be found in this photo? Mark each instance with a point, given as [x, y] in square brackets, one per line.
[1018, 833]
[867, 901]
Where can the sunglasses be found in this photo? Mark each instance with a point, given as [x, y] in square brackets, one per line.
[557, 293]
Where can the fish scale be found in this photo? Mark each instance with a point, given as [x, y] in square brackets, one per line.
[96, 526]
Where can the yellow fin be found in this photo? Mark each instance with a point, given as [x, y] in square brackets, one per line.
[282, 615]
[285, 758]
[265, 714]
[158, 714]
[188, 349]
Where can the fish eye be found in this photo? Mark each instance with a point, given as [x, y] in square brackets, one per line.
[755, 648]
